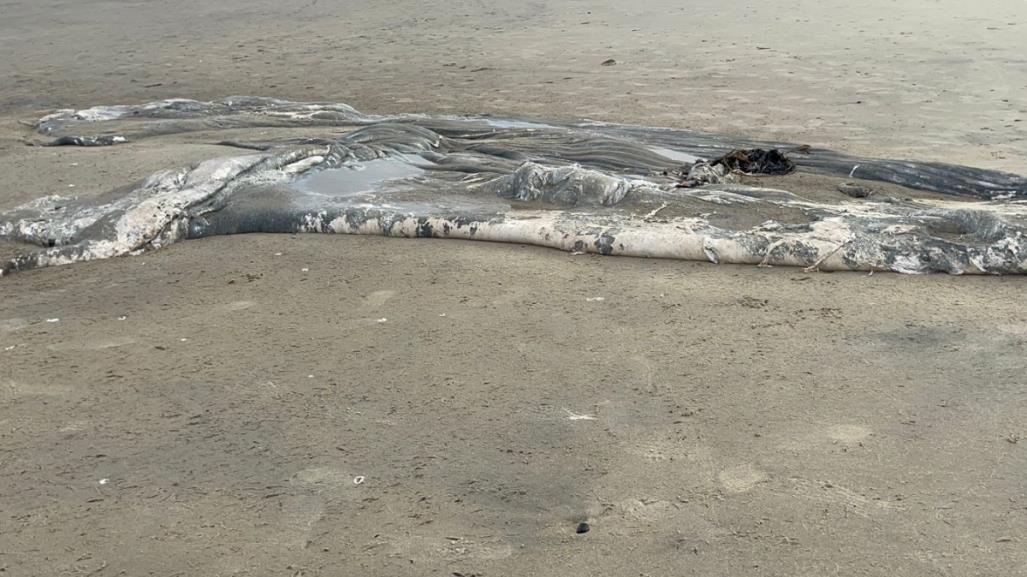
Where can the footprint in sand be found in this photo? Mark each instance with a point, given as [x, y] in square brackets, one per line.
[659, 451]
[816, 438]
[299, 515]
[323, 476]
[16, 389]
[11, 325]
[92, 345]
[377, 299]
[72, 427]
[647, 510]
[741, 478]
[449, 548]
[848, 433]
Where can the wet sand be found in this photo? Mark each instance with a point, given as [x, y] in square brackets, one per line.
[702, 419]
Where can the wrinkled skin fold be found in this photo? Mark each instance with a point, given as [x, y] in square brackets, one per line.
[584, 187]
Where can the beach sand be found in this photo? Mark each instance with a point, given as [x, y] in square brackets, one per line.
[312, 405]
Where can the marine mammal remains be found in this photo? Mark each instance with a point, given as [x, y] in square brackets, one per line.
[585, 186]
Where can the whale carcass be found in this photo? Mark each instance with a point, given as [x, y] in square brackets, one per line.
[577, 186]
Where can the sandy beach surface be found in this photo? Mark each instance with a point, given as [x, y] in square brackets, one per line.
[307, 405]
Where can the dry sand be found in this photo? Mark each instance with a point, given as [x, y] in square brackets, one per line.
[205, 410]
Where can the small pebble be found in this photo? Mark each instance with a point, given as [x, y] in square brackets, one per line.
[582, 528]
[854, 190]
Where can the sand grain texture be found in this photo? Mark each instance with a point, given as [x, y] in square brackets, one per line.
[207, 408]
